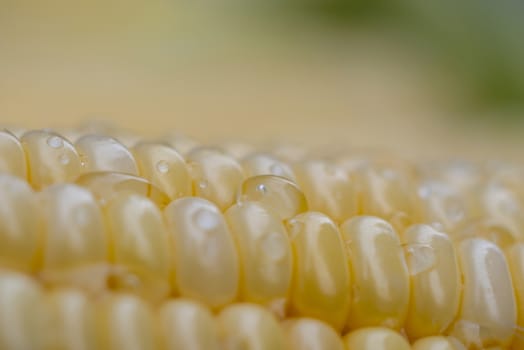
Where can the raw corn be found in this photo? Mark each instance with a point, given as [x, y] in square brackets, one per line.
[109, 241]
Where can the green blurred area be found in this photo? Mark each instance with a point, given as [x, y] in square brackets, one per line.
[481, 42]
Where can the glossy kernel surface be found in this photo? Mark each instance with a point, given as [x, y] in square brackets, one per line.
[205, 255]
[381, 289]
[164, 167]
[265, 254]
[321, 279]
[435, 281]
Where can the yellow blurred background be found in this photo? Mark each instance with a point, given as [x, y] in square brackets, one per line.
[351, 74]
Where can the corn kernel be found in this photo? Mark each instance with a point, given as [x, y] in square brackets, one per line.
[12, 155]
[265, 254]
[277, 193]
[266, 164]
[20, 232]
[328, 189]
[187, 325]
[488, 313]
[140, 246]
[381, 290]
[76, 248]
[435, 281]
[125, 322]
[206, 260]
[375, 339]
[51, 158]
[71, 322]
[21, 313]
[104, 153]
[164, 167]
[438, 343]
[321, 280]
[216, 176]
[311, 334]
[249, 327]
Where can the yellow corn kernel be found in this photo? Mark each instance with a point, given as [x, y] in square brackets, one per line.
[375, 338]
[515, 256]
[106, 185]
[183, 144]
[187, 325]
[206, 260]
[140, 246]
[237, 150]
[125, 322]
[266, 164]
[164, 167]
[502, 216]
[328, 189]
[265, 254]
[216, 176]
[249, 327]
[381, 290]
[20, 234]
[440, 205]
[488, 313]
[438, 343]
[51, 158]
[76, 248]
[21, 313]
[321, 279]
[311, 334]
[104, 153]
[71, 322]
[12, 155]
[435, 281]
[275, 192]
[385, 192]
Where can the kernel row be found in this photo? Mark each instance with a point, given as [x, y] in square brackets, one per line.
[358, 274]
[461, 199]
[39, 319]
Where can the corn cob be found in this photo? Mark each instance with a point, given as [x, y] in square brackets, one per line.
[171, 245]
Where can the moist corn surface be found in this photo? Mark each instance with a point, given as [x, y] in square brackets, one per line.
[110, 241]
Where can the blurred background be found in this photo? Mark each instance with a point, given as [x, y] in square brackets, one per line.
[418, 77]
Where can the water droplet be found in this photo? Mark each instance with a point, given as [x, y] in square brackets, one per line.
[162, 166]
[55, 142]
[273, 246]
[63, 159]
[277, 169]
[419, 257]
[262, 188]
[206, 220]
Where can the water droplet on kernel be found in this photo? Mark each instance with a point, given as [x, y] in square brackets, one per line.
[262, 188]
[273, 246]
[206, 220]
[202, 184]
[55, 142]
[162, 166]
